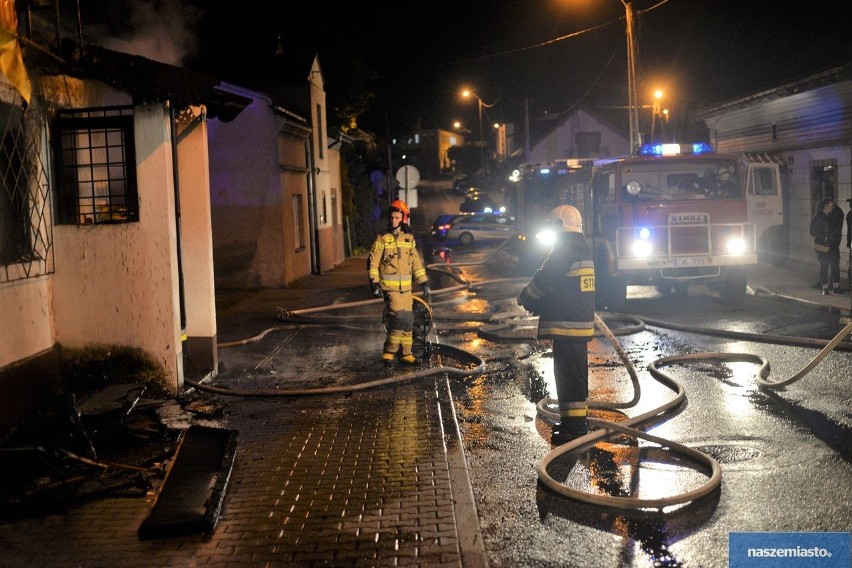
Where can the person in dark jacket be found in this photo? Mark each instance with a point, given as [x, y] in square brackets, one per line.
[562, 294]
[849, 241]
[849, 225]
[827, 233]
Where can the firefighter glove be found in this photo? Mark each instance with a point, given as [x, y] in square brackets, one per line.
[427, 291]
[377, 289]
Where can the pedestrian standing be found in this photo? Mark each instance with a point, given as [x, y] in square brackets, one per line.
[849, 241]
[562, 294]
[827, 232]
[394, 265]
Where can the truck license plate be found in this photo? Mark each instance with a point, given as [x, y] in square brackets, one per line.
[692, 261]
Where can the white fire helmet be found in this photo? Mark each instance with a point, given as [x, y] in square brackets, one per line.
[569, 217]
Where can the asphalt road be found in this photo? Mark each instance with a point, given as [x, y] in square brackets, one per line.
[783, 453]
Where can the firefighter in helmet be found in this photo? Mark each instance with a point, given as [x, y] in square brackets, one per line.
[562, 294]
[395, 264]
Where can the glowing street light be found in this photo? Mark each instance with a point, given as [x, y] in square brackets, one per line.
[460, 128]
[467, 94]
[655, 112]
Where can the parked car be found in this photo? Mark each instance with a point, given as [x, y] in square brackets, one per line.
[467, 229]
[442, 224]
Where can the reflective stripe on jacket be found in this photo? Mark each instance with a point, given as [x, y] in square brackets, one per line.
[562, 291]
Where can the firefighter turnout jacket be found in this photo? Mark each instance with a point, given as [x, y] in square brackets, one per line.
[394, 261]
[562, 291]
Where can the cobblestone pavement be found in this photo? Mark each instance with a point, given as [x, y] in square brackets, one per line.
[367, 478]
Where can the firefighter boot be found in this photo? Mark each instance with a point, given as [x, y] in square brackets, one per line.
[389, 360]
[563, 433]
[409, 359]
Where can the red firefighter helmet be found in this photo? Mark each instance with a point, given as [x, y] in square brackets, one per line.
[400, 206]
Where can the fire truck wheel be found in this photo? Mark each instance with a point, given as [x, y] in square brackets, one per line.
[734, 290]
[616, 294]
[612, 293]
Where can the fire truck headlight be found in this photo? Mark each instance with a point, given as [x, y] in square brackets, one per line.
[546, 237]
[641, 248]
[633, 188]
[736, 246]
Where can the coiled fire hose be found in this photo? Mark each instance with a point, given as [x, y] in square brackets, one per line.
[512, 326]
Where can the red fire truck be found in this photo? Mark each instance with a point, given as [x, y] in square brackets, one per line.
[668, 216]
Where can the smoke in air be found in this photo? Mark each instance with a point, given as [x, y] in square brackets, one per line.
[162, 31]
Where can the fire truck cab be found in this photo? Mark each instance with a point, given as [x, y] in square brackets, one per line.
[669, 216]
[764, 196]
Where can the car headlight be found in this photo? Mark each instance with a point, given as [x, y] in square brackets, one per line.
[736, 246]
[633, 188]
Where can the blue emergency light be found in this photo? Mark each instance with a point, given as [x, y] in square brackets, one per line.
[674, 149]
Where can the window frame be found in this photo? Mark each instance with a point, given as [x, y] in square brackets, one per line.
[95, 163]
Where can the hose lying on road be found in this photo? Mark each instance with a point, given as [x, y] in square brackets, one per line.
[479, 368]
[515, 326]
[477, 365]
[607, 429]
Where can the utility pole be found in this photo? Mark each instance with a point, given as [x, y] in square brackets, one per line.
[527, 147]
[633, 102]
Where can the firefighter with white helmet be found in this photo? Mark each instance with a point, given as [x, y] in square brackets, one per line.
[394, 265]
[569, 217]
[562, 294]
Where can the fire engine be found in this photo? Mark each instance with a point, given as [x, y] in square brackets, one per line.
[668, 216]
[535, 189]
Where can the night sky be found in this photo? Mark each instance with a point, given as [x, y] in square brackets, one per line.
[699, 52]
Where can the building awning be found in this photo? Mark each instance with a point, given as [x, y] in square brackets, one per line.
[146, 80]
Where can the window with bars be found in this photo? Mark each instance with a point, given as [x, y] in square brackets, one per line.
[26, 233]
[95, 166]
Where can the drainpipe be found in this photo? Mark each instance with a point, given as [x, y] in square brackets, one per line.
[312, 208]
[181, 291]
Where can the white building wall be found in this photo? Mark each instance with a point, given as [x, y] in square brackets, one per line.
[328, 214]
[26, 321]
[196, 233]
[118, 284]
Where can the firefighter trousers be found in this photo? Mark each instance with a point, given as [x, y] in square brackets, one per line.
[400, 332]
[571, 374]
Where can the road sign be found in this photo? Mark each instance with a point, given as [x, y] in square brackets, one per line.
[408, 177]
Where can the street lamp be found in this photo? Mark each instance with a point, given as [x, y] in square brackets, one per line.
[480, 103]
[656, 113]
